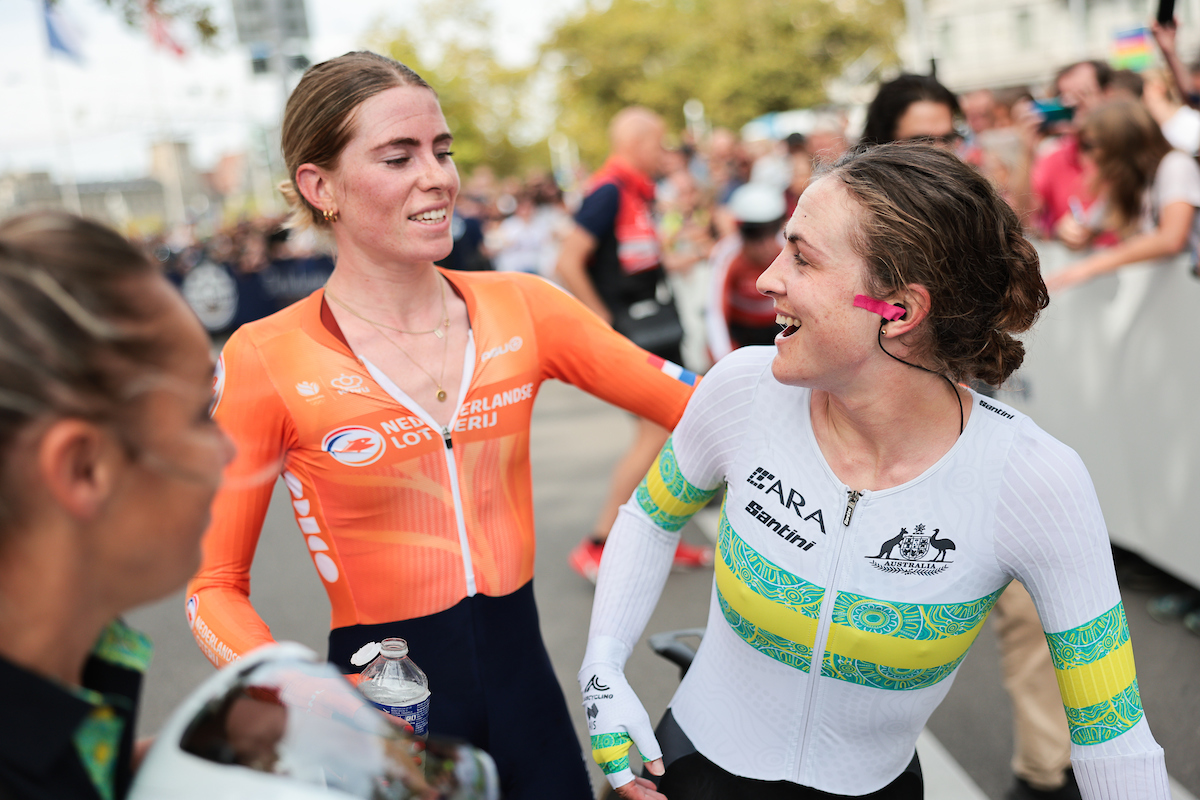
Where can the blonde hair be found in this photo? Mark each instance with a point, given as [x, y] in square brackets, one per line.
[318, 118]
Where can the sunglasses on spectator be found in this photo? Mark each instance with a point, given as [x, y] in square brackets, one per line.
[945, 139]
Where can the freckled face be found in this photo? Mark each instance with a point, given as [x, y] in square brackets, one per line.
[826, 340]
[395, 183]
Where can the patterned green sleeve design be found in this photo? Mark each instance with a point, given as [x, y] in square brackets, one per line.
[666, 496]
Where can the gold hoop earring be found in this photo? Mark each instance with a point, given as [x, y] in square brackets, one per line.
[330, 216]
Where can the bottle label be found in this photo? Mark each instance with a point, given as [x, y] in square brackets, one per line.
[415, 714]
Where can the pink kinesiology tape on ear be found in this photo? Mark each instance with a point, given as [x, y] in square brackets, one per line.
[885, 310]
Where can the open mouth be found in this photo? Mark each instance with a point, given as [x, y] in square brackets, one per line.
[430, 217]
[790, 325]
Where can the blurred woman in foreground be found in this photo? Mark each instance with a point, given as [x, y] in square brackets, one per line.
[108, 464]
[875, 511]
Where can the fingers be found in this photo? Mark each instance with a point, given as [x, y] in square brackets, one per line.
[656, 767]
[639, 789]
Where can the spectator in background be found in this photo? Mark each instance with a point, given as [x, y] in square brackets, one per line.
[612, 262]
[1125, 84]
[1180, 123]
[1186, 80]
[913, 107]
[827, 140]
[1057, 177]
[1151, 193]
[686, 228]
[519, 239]
[739, 314]
[802, 170]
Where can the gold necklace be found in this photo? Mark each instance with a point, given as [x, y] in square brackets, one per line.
[441, 393]
[436, 330]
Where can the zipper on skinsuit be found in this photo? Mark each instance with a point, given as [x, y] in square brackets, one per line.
[460, 516]
[401, 397]
[824, 623]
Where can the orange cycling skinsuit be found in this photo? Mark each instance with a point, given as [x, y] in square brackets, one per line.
[416, 530]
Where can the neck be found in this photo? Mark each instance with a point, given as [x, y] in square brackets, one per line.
[877, 439]
[408, 296]
[49, 617]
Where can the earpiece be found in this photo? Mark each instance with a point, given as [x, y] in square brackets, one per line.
[886, 310]
[902, 308]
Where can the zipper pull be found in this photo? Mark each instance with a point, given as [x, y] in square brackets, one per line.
[446, 436]
[851, 502]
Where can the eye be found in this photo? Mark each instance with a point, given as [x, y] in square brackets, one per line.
[445, 156]
[399, 161]
[799, 260]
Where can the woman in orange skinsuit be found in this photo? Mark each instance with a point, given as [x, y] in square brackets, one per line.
[396, 404]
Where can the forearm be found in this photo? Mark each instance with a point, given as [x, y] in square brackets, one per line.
[637, 560]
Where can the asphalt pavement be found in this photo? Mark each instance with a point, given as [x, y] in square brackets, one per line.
[576, 440]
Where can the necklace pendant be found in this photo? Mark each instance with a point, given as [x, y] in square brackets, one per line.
[438, 333]
[441, 395]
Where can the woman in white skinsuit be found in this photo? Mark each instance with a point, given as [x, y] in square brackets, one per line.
[875, 510]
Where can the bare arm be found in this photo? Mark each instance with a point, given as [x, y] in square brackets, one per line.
[1169, 238]
[1164, 35]
[577, 248]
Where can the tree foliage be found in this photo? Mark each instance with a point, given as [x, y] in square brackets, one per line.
[741, 58]
[448, 44]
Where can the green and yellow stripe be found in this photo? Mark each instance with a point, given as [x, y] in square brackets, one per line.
[611, 751]
[1097, 678]
[666, 496]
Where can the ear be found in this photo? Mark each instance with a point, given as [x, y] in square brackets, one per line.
[314, 184]
[78, 463]
[915, 299]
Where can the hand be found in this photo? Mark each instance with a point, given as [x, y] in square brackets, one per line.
[1072, 233]
[1164, 35]
[617, 720]
[1071, 276]
[1028, 123]
[641, 789]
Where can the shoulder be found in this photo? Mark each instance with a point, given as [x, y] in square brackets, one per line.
[741, 373]
[1041, 464]
[261, 331]
[1177, 167]
[599, 205]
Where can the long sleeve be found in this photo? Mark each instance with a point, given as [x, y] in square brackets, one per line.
[691, 467]
[248, 408]
[1052, 537]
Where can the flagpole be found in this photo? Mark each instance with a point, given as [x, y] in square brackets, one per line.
[61, 137]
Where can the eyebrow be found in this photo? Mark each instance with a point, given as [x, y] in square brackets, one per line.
[796, 240]
[407, 141]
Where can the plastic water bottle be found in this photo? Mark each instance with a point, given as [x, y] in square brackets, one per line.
[397, 686]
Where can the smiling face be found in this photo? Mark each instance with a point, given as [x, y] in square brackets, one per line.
[826, 340]
[395, 182]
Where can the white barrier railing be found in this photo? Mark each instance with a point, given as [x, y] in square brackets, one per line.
[1111, 369]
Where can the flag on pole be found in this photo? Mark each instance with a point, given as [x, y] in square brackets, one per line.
[1131, 49]
[62, 37]
[160, 34]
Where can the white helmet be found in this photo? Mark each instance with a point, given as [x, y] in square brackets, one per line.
[756, 203]
[281, 724]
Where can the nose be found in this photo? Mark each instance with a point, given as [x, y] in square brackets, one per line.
[438, 175]
[770, 282]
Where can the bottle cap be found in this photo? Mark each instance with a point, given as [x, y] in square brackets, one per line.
[365, 654]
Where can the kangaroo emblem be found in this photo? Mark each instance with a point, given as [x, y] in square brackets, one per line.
[890, 544]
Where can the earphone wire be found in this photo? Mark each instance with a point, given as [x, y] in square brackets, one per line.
[953, 388]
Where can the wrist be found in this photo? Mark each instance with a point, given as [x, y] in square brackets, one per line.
[607, 651]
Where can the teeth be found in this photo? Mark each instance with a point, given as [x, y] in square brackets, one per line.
[785, 321]
[431, 216]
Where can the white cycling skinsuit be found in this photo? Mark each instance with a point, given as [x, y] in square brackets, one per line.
[839, 617]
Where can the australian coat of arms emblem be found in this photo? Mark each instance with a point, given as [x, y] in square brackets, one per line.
[913, 549]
